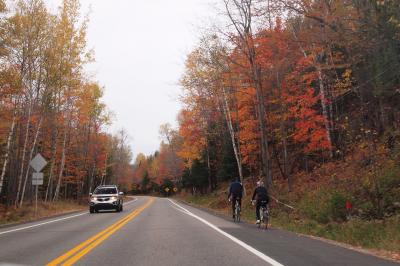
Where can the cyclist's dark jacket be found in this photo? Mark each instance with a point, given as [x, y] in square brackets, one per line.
[235, 189]
[261, 193]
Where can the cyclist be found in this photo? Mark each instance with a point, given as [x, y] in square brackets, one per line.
[261, 193]
[235, 193]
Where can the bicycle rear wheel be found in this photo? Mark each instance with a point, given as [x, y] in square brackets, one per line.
[237, 212]
[261, 218]
[266, 218]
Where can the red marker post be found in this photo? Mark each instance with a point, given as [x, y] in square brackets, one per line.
[348, 208]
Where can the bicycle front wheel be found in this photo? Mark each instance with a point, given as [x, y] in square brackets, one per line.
[237, 214]
[266, 219]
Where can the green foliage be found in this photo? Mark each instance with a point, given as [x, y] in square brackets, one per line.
[382, 189]
[166, 184]
[196, 176]
[227, 169]
[145, 181]
[380, 26]
[154, 187]
[324, 206]
[390, 184]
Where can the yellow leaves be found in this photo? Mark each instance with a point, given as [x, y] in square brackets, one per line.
[344, 84]
[362, 146]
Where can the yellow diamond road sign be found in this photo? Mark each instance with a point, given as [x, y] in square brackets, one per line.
[38, 163]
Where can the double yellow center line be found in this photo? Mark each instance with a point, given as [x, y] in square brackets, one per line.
[82, 249]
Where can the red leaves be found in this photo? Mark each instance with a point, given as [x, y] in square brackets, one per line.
[302, 101]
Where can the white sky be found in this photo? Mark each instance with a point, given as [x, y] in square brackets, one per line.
[140, 47]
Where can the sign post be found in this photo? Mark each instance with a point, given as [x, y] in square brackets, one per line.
[37, 163]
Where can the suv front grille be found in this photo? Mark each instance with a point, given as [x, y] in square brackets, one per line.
[103, 199]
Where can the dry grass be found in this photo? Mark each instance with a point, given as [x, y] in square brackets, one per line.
[27, 212]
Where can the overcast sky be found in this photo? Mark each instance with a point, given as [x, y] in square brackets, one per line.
[140, 47]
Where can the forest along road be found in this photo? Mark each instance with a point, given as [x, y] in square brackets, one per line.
[159, 231]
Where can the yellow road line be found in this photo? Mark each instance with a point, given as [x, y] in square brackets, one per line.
[85, 243]
[82, 249]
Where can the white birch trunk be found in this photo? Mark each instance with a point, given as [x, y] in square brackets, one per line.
[30, 158]
[325, 110]
[60, 174]
[23, 154]
[3, 171]
[53, 162]
[233, 138]
[323, 99]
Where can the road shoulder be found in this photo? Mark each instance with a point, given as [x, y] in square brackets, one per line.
[80, 209]
[386, 255]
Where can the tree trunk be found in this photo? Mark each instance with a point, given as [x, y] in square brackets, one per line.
[243, 26]
[6, 156]
[30, 158]
[265, 156]
[325, 110]
[285, 159]
[208, 167]
[53, 162]
[232, 133]
[23, 154]
[60, 174]
[323, 98]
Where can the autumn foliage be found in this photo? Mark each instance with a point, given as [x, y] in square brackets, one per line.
[49, 105]
[286, 86]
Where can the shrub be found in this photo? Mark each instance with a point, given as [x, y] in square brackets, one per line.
[324, 206]
[382, 190]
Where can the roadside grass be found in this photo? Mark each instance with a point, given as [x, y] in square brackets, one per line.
[370, 186]
[378, 234]
[381, 237]
[27, 212]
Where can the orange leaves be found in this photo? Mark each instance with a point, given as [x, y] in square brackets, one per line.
[302, 101]
[192, 134]
[248, 126]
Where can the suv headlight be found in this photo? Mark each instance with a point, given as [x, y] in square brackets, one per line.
[114, 198]
[94, 198]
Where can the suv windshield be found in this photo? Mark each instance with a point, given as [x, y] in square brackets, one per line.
[105, 190]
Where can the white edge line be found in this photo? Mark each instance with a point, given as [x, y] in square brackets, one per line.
[48, 222]
[53, 221]
[234, 239]
[131, 201]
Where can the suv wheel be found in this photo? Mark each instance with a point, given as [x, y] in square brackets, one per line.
[91, 209]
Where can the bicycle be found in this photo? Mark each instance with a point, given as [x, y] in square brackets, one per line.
[264, 216]
[237, 211]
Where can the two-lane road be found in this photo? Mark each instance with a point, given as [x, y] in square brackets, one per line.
[158, 231]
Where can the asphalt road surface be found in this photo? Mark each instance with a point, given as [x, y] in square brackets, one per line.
[159, 231]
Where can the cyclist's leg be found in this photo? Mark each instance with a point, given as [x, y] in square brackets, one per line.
[264, 205]
[233, 205]
[258, 206]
